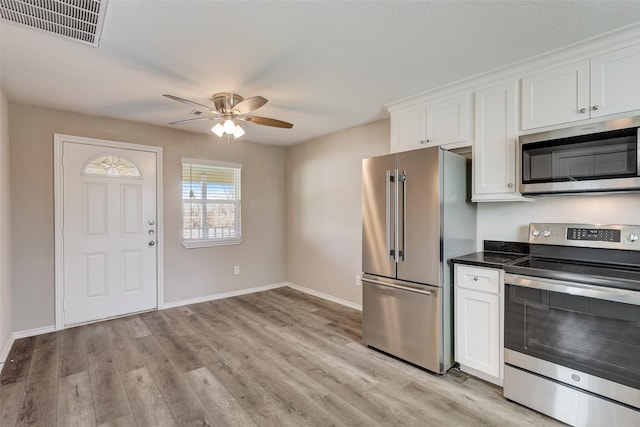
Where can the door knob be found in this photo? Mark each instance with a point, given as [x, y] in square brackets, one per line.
[595, 107]
[152, 243]
[583, 110]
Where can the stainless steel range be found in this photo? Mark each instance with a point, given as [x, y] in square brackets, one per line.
[572, 324]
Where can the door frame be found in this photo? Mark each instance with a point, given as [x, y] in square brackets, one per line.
[58, 185]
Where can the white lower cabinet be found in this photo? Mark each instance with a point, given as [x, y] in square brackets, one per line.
[478, 293]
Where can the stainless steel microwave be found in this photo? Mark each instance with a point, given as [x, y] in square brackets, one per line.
[599, 157]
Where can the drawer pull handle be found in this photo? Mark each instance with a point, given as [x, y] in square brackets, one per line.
[475, 278]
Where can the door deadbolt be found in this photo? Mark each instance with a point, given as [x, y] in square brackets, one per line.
[151, 222]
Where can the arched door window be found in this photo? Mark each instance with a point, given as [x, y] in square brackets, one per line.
[110, 165]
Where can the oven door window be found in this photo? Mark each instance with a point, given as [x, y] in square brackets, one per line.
[594, 336]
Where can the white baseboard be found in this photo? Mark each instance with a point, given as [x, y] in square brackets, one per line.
[33, 332]
[325, 296]
[221, 296]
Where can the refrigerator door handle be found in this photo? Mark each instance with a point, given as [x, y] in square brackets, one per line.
[396, 212]
[404, 288]
[390, 251]
[401, 249]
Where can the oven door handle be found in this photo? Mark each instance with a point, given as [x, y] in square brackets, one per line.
[578, 289]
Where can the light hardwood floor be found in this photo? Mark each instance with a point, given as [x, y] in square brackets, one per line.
[275, 358]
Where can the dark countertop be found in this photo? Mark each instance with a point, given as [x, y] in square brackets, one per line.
[495, 255]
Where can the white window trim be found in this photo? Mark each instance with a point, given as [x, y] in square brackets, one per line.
[201, 243]
[214, 163]
[206, 243]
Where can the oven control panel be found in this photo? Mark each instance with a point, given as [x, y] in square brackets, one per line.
[593, 234]
[586, 235]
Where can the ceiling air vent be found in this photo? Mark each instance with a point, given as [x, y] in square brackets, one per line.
[76, 19]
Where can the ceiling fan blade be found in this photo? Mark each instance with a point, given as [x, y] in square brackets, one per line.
[179, 122]
[186, 101]
[266, 121]
[249, 105]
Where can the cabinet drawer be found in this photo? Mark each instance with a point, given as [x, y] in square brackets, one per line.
[477, 278]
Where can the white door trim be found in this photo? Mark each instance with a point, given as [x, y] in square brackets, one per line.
[58, 141]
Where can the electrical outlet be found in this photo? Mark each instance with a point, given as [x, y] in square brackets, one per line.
[358, 280]
[236, 270]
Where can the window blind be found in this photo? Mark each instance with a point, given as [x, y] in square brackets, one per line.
[211, 197]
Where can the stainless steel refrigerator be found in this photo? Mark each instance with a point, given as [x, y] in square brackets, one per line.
[417, 214]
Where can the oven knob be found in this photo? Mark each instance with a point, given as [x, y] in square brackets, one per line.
[546, 234]
[632, 237]
[535, 232]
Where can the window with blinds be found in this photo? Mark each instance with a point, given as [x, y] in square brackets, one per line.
[210, 203]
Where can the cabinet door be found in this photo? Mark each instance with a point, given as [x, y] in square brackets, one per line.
[477, 330]
[448, 121]
[494, 150]
[407, 129]
[556, 96]
[615, 82]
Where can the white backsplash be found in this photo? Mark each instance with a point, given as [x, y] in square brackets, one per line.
[510, 221]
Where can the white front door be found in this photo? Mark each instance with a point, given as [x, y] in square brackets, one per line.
[109, 231]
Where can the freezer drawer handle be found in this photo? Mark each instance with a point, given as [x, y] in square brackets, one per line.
[404, 288]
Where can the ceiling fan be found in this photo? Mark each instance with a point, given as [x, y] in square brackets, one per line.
[227, 109]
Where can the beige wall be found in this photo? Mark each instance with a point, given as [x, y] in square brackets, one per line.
[324, 214]
[188, 273]
[5, 229]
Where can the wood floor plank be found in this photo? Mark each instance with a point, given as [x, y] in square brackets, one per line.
[262, 408]
[72, 352]
[125, 351]
[210, 312]
[124, 421]
[75, 401]
[190, 327]
[18, 362]
[149, 407]
[265, 305]
[184, 358]
[137, 327]
[275, 358]
[11, 397]
[109, 396]
[257, 304]
[39, 405]
[225, 409]
[182, 401]
[294, 391]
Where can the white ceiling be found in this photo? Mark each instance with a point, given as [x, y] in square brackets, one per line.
[323, 65]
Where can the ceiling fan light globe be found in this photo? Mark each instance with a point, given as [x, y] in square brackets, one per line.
[238, 132]
[218, 129]
[229, 126]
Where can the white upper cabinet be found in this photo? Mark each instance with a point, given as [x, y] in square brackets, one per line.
[615, 82]
[445, 122]
[494, 149]
[408, 129]
[556, 96]
[603, 85]
[448, 121]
